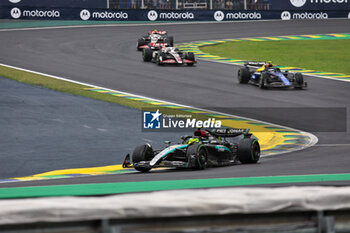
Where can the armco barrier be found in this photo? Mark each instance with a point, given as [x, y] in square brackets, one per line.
[33, 13]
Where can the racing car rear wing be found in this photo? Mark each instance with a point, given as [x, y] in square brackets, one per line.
[256, 64]
[230, 132]
[158, 32]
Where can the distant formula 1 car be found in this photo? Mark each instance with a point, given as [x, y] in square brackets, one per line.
[264, 75]
[207, 148]
[155, 40]
[169, 55]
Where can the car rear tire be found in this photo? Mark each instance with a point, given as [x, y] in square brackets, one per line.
[190, 56]
[142, 153]
[248, 150]
[299, 79]
[147, 55]
[243, 75]
[201, 156]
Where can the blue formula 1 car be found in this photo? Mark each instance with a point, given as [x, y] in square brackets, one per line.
[207, 148]
[265, 75]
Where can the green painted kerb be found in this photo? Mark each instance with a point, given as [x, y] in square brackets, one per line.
[129, 187]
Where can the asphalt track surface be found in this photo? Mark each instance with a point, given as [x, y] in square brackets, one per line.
[44, 130]
[106, 56]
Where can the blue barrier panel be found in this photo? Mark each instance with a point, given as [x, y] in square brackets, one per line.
[310, 4]
[161, 15]
[55, 3]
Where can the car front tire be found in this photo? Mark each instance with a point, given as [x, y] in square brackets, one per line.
[142, 153]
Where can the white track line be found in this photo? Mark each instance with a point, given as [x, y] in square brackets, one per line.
[313, 138]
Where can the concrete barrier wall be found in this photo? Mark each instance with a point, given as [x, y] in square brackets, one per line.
[180, 203]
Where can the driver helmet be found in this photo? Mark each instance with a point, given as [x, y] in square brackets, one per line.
[192, 140]
[168, 49]
[268, 65]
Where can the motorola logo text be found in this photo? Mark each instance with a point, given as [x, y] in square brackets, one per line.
[298, 3]
[85, 15]
[152, 15]
[176, 15]
[41, 14]
[307, 15]
[219, 16]
[110, 15]
[16, 13]
[329, 1]
[286, 15]
[241, 15]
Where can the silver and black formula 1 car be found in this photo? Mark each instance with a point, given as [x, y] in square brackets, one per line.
[264, 75]
[155, 40]
[169, 55]
[207, 148]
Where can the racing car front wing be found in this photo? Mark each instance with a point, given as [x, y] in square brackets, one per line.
[163, 163]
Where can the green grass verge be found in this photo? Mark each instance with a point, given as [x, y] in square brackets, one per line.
[319, 55]
[146, 186]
